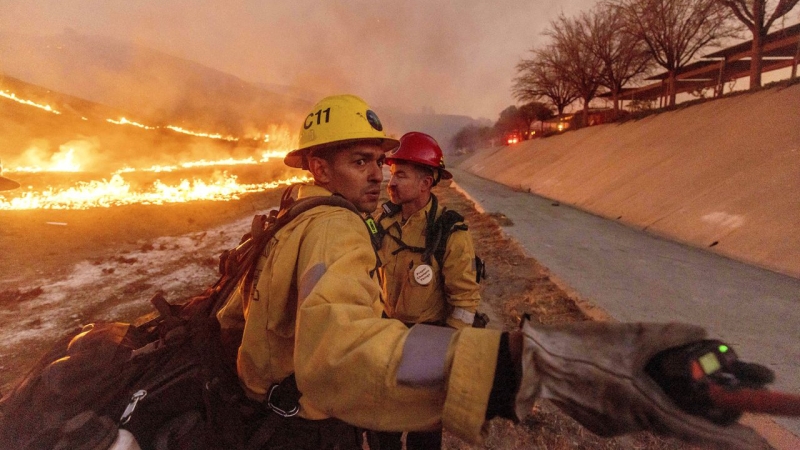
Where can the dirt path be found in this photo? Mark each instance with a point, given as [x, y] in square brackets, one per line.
[105, 264]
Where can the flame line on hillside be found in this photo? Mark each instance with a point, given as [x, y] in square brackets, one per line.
[118, 192]
[12, 96]
[124, 121]
[265, 156]
[198, 134]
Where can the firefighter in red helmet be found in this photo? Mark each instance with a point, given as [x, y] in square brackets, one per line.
[428, 264]
[427, 254]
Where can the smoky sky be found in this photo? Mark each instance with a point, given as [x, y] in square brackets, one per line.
[420, 55]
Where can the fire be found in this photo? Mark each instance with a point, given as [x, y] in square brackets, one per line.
[124, 121]
[69, 179]
[265, 156]
[65, 162]
[118, 192]
[61, 161]
[189, 165]
[270, 154]
[12, 96]
[199, 134]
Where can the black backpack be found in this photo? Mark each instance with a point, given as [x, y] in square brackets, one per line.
[437, 232]
[168, 378]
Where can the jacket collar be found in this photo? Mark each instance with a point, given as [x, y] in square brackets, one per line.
[422, 214]
[312, 190]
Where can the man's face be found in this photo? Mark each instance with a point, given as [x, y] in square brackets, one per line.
[356, 174]
[406, 184]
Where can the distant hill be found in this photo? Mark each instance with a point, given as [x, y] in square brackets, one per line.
[30, 135]
[106, 78]
[441, 126]
[157, 86]
[67, 104]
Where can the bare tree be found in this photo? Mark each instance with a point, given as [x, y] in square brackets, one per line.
[675, 30]
[580, 65]
[754, 16]
[624, 56]
[540, 79]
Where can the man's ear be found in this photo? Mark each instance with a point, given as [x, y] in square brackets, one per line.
[320, 170]
[427, 182]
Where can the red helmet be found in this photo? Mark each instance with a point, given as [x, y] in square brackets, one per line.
[419, 148]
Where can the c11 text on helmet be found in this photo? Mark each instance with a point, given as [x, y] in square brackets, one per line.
[308, 124]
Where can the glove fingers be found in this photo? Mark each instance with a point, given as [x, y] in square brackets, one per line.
[653, 412]
[595, 373]
[752, 374]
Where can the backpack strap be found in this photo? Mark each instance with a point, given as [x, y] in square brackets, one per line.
[241, 261]
[389, 209]
[449, 222]
[437, 231]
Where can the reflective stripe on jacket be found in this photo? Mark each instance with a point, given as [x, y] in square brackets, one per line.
[315, 311]
[408, 295]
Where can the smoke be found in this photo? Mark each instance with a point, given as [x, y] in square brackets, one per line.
[450, 57]
[72, 156]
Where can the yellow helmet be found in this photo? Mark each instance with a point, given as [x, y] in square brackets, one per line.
[336, 120]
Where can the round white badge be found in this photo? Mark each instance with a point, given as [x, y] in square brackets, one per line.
[423, 274]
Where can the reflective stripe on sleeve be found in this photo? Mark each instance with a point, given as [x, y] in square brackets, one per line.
[424, 353]
[309, 280]
[463, 315]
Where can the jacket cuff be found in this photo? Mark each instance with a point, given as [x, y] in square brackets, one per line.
[470, 383]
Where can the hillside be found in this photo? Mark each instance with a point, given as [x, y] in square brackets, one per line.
[31, 135]
[441, 126]
[723, 175]
[158, 86]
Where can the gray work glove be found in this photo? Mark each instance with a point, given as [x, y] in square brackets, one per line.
[594, 372]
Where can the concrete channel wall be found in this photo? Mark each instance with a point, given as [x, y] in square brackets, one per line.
[723, 175]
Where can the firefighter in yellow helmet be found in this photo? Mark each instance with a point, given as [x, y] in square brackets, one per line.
[320, 361]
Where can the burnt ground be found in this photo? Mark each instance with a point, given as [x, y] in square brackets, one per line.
[62, 269]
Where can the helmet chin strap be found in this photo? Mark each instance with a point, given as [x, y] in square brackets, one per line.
[437, 176]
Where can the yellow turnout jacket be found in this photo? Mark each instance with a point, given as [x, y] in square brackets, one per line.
[315, 310]
[449, 295]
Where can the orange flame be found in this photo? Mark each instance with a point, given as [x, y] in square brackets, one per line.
[62, 161]
[11, 96]
[118, 192]
[124, 121]
[198, 134]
